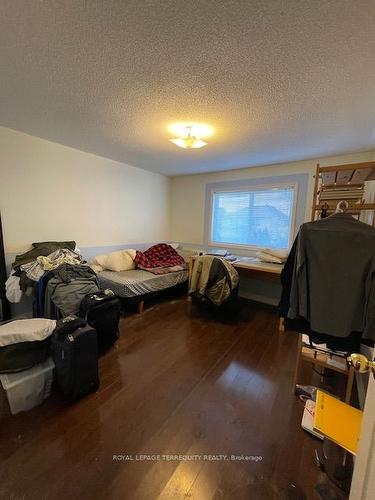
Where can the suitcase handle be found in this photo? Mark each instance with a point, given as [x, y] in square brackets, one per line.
[107, 293]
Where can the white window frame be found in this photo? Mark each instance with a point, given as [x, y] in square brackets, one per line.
[242, 189]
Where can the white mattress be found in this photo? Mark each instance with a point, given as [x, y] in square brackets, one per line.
[137, 282]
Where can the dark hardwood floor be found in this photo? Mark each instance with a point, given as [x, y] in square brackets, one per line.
[175, 384]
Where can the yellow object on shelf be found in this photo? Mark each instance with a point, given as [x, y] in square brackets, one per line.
[338, 421]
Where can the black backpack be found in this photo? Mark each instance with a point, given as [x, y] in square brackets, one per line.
[74, 349]
[101, 310]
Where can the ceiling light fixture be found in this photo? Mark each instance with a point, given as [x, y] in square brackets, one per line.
[189, 140]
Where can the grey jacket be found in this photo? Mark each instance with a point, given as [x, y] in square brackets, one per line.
[67, 297]
[67, 288]
[333, 284]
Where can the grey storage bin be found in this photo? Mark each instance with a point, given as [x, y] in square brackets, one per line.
[28, 388]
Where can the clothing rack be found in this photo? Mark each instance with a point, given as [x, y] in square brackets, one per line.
[337, 188]
[340, 177]
[342, 182]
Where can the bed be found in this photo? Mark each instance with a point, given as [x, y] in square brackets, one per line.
[137, 285]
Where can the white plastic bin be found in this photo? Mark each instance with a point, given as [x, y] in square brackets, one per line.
[28, 388]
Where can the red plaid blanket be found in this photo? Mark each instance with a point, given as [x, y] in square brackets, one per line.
[160, 255]
[164, 270]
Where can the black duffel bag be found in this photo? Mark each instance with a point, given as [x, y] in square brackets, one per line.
[17, 352]
[24, 355]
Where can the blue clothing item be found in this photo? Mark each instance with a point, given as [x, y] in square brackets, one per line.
[40, 293]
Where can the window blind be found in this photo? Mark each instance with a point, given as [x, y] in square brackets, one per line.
[258, 218]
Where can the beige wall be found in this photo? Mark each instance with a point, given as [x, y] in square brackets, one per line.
[49, 191]
[188, 192]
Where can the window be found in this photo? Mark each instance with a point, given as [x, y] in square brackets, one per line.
[260, 216]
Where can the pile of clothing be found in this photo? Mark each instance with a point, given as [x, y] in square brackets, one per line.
[213, 278]
[60, 291]
[55, 274]
[272, 255]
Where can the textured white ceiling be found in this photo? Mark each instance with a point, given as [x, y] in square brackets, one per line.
[280, 80]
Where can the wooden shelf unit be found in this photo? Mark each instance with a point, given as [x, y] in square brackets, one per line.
[341, 177]
[316, 357]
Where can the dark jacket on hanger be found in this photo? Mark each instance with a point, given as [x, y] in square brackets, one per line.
[286, 278]
[333, 285]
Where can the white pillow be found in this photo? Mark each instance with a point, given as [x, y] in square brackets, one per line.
[116, 261]
[280, 254]
[26, 330]
[131, 252]
[266, 257]
[101, 260]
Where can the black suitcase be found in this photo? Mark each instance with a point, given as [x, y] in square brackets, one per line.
[74, 349]
[101, 310]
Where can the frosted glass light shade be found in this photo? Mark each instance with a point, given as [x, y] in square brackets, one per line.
[190, 142]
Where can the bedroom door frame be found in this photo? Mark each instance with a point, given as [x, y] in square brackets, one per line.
[4, 304]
